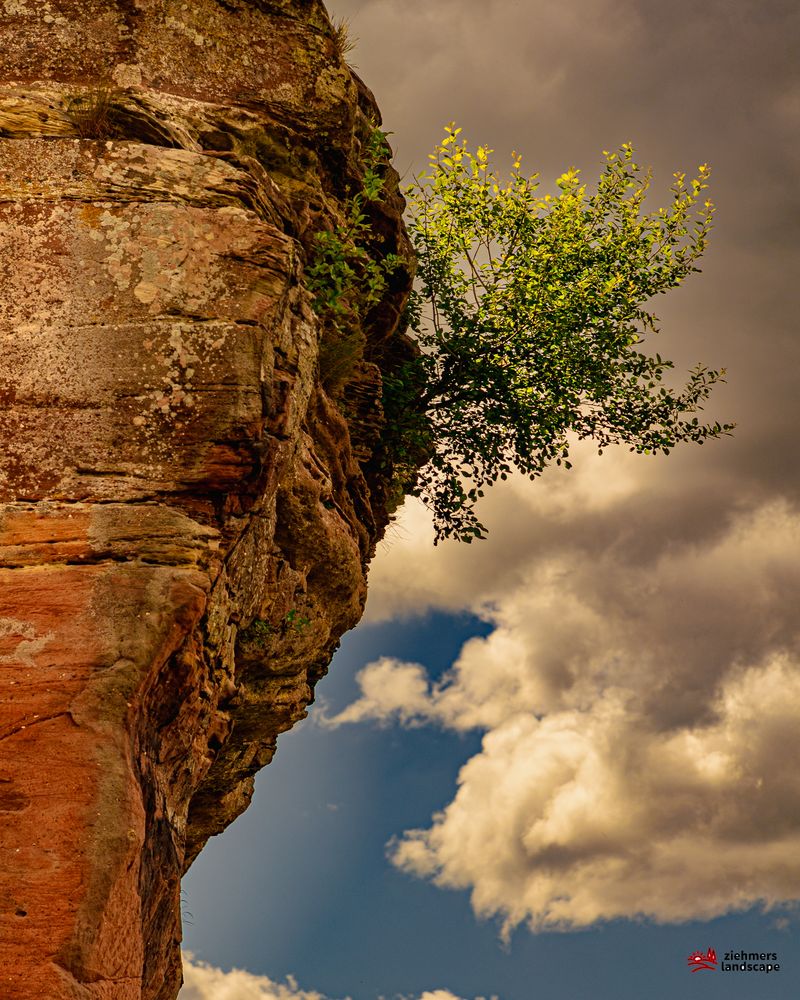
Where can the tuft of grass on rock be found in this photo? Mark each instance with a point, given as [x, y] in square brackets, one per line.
[343, 40]
[90, 113]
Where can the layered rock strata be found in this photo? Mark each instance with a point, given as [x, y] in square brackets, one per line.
[186, 515]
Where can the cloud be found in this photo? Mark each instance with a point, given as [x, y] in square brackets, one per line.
[639, 695]
[390, 690]
[202, 981]
[590, 815]
[502, 73]
[439, 995]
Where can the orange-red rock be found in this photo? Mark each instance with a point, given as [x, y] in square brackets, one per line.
[176, 487]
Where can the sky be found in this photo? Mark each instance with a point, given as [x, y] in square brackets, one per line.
[556, 762]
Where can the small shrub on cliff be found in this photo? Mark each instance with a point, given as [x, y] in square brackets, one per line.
[261, 632]
[346, 276]
[529, 316]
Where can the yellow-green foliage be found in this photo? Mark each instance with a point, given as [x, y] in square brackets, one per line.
[530, 314]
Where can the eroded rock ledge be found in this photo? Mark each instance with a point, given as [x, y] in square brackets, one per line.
[186, 515]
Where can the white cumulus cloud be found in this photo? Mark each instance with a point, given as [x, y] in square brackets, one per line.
[639, 697]
[588, 815]
[202, 981]
[390, 689]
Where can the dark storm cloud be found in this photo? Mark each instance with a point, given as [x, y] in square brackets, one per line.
[686, 83]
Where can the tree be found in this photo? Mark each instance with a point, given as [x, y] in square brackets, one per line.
[529, 316]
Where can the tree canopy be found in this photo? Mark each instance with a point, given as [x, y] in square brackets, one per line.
[530, 313]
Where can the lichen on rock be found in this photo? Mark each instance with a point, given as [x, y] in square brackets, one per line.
[187, 517]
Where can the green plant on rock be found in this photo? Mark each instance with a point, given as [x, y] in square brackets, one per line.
[346, 276]
[530, 315]
[258, 632]
[295, 621]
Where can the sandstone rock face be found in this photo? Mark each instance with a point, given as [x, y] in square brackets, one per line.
[186, 516]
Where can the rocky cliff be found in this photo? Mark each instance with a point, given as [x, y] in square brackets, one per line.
[187, 516]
